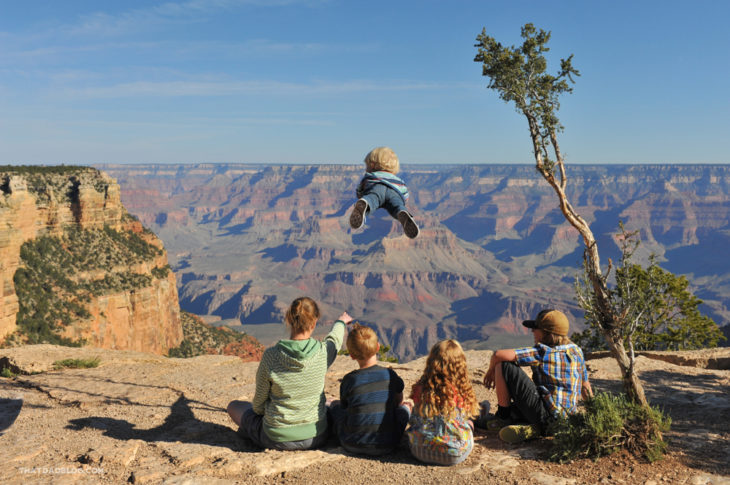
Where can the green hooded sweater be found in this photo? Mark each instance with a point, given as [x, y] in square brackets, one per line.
[290, 386]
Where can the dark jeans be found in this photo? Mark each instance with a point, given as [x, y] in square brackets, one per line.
[527, 404]
[339, 416]
[253, 429]
[380, 195]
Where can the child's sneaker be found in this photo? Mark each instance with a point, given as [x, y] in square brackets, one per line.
[517, 433]
[409, 225]
[490, 422]
[357, 218]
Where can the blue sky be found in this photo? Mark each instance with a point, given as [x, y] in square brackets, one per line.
[287, 81]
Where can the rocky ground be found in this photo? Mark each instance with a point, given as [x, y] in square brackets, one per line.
[141, 418]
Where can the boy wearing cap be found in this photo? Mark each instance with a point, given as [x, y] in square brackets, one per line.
[559, 375]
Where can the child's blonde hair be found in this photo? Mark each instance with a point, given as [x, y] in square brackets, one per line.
[382, 159]
[302, 315]
[362, 343]
[444, 381]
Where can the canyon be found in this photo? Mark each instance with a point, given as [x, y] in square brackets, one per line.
[245, 240]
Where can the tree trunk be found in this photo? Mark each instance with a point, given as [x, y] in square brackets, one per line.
[632, 384]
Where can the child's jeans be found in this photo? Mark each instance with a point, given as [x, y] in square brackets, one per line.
[526, 399]
[252, 428]
[380, 195]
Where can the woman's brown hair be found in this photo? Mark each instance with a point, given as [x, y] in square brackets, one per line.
[302, 315]
[445, 380]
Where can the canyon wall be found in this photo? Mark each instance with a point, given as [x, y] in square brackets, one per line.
[37, 203]
[494, 248]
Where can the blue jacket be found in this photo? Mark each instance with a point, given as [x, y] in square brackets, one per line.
[384, 178]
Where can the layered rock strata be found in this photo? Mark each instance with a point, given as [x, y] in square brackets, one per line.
[494, 248]
[37, 202]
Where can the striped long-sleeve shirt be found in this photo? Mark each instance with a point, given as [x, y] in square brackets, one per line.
[385, 178]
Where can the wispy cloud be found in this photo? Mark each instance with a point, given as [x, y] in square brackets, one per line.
[102, 23]
[259, 87]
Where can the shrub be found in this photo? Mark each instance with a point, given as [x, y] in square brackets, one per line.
[7, 373]
[77, 363]
[200, 338]
[610, 423]
[161, 272]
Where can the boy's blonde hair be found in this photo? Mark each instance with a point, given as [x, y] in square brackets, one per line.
[382, 159]
[362, 343]
[302, 315]
[445, 381]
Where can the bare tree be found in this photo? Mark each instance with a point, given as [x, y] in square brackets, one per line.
[519, 75]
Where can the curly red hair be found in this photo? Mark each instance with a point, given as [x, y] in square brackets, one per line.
[445, 384]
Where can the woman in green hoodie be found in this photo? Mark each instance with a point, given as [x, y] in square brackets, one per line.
[288, 411]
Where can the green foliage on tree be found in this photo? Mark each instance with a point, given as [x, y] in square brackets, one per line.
[610, 423]
[383, 354]
[518, 74]
[660, 311]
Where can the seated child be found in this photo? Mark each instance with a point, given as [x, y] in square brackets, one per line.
[288, 410]
[559, 375]
[370, 416]
[440, 429]
[380, 187]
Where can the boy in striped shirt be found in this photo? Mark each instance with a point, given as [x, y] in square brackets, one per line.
[380, 187]
[370, 416]
[559, 376]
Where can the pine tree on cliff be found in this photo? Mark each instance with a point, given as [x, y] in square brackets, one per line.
[519, 75]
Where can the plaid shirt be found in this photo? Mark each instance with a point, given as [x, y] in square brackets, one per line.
[558, 373]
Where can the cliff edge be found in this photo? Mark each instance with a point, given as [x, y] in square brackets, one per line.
[76, 268]
[142, 418]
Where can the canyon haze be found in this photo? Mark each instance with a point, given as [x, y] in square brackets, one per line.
[245, 240]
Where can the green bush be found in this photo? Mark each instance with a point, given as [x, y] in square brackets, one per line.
[162, 272]
[610, 423]
[7, 373]
[77, 363]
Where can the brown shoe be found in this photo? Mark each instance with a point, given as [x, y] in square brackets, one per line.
[409, 225]
[357, 217]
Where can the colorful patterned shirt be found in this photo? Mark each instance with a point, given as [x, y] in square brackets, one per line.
[558, 372]
[439, 434]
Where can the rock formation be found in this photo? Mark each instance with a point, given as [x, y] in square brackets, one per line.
[245, 240]
[60, 202]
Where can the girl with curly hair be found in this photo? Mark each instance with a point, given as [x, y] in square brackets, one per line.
[441, 431]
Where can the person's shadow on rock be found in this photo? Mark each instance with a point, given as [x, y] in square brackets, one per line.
[9, 411]
[180, 425]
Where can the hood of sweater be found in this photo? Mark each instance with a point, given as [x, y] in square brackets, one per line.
[295, 353]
